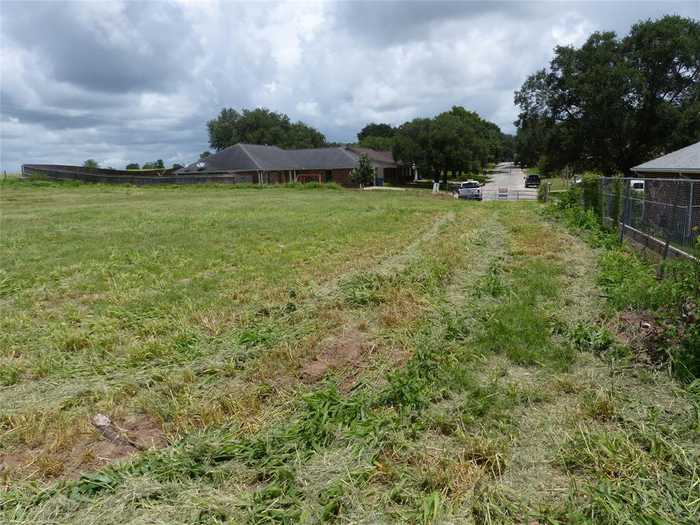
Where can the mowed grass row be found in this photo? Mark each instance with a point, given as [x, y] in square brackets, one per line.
[440, 379]
[153, 301]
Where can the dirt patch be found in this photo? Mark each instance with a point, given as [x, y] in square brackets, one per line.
[345, 352]
[89, 451]
[640, 331]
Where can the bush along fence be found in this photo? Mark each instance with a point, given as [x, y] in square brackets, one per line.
[662, 214]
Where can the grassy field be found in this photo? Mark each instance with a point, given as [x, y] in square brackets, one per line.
[287, 355]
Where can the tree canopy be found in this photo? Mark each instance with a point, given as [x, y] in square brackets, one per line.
[91, 163]
[377, 143]
[133, 166]
[155, 165]
[261, 126]
[454, 141]
[376, 130]
[377, 136]
[613, 103]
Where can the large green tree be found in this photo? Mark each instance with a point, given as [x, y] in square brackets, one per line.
[454, 141]
[377, 136]
[413, 145]
[376, 130]
[613, 103]
[261, 126]
[155, 165]
[378, 143]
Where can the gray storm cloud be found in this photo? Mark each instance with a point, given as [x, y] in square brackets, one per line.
[128, 81]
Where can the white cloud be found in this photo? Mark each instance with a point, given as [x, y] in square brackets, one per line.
[127, 81]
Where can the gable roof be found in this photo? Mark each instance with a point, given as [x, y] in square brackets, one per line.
[258, 157]
[267, 158]
[321, 159]
[684, 160]
[382, 157]
[222, 160]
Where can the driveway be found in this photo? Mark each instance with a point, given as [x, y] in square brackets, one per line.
[508, 183]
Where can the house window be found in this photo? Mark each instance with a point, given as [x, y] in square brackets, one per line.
[328, 176]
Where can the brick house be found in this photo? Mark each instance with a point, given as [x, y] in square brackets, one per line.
[387, 169]
[259, 164]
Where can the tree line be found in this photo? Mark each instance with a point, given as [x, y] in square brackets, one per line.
[613, 103]
[452, 142]
[155, 165]
[455, 141]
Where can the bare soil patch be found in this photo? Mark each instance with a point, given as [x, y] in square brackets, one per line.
[345, 352]
[640, 331]
[88, 451]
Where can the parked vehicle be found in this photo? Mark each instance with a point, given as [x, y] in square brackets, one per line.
[469, 189]
[532, 181]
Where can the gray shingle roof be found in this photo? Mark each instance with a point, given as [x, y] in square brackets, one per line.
[233, 158]
[321, 159]
[382, 157]
[254, 157]
[267, 158]
[684, 160]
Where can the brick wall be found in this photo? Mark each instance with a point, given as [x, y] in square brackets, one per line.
[343, 177]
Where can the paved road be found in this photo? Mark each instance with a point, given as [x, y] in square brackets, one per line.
[508, 176]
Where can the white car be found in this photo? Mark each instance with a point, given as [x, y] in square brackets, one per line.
[469, 189]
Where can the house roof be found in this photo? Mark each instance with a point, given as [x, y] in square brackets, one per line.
[267, 158]
[684, 160]
[382, 157]
[257, 157]
[221, 161]
[322, 158]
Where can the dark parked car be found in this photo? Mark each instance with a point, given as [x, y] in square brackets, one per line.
[532, 181]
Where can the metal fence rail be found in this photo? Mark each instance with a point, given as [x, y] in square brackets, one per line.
[653, 210]
[509, 194]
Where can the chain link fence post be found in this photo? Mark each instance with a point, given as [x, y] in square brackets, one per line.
[625, 209]
[690, 212]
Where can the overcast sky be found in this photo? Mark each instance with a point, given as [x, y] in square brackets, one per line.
[137, 81]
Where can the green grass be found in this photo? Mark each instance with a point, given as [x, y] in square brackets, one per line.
[458, 346]
[556, 183]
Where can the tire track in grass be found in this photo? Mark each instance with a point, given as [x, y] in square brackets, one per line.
[481, 452]
[452, 312]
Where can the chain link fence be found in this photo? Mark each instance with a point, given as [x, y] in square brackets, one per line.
[656, 212]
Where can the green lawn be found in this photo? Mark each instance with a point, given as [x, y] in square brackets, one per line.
[557, 183]
[318, 355]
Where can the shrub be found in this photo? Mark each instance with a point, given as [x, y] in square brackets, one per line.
[590, 192]
[363, 174]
